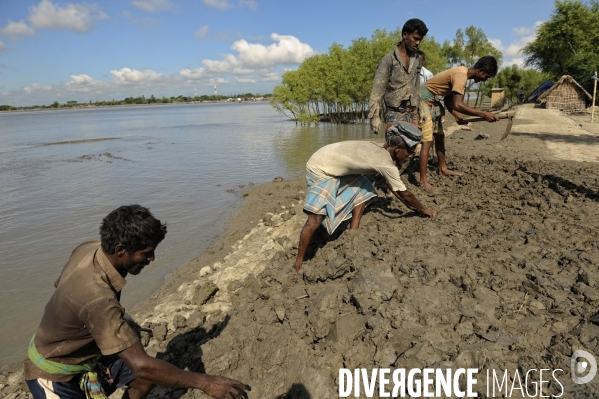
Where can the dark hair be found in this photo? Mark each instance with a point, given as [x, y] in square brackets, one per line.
[487, 64]
[414, 25]
[422, 53]
[131, 226]
[396, 141]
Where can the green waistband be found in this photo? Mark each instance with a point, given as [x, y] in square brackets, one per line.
[54, 367]
[426, 95]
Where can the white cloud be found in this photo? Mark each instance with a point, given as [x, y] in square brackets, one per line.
[512, 52]
[248, 3]
[230, 64]
[193, 74]
[523, 31]
[36, 88]
[81, 79]
[202, 32]
[271, 77]
[224, 4]
[286, 50]
[17, 29]
[85, 83]
[75, 17]
[497, 44]
[220, 4]
[128, 76]
[516, 60]
[264, 62]
[245, 80]
[153, 5]
[252, 66]
[3, 47]
[145, 22]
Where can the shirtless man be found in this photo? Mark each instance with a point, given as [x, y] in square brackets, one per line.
[449, 85]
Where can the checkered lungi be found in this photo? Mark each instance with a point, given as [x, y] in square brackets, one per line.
[336, 197]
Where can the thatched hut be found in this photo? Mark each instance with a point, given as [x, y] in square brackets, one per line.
[566, 95]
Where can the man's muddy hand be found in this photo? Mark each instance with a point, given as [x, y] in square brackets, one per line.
[490, 117]
[375, 124]
[295, 267]
[429, 212]
[226, 388]
[459, 119]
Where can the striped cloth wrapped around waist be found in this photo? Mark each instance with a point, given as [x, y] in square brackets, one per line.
[90, 383]
[336, 197]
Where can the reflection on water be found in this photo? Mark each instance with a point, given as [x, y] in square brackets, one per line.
[301, 142]
[171, 159]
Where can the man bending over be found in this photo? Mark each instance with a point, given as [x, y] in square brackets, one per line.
[338, 189]
[83, 347]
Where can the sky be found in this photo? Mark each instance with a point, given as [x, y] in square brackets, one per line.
[54, 50]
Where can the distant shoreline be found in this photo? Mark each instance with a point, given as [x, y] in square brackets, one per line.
[87, 106]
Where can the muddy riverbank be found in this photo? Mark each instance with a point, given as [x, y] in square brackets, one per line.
[504, 278]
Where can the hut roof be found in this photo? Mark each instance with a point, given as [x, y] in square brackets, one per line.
[564, 79]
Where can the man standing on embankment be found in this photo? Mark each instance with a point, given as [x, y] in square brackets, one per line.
[397, 80]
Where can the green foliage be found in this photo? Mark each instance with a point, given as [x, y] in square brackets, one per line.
[336, 86]
[512, 78]
[436, 59]
[468, 47]
[568, 44]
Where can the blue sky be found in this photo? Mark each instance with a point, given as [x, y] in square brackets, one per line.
[54, 50]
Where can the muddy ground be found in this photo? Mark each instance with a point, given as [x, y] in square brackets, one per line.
[504, 278]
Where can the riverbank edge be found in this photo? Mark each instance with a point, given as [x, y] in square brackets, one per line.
[257, 209]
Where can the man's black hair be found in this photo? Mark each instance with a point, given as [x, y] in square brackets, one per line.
[396, 141]
[422, 53]
[487, 64]
[132, 226]
[414, 25]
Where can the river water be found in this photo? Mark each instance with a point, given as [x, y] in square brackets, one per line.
[178, 160]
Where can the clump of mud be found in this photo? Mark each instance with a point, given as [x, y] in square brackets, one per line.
[106, 157]
[504, 278]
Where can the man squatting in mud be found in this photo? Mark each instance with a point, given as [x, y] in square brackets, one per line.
[448, 85]
[338, 189]
[83, 347]
[397, 80]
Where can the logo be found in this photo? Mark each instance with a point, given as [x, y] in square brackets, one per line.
[579, 367]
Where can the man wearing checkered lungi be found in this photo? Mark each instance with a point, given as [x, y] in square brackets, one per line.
[338, 189]
[397, 80]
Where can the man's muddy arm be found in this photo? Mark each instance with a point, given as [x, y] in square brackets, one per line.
[412, 202]
[377, 92]
[454, 103]
[162, 373]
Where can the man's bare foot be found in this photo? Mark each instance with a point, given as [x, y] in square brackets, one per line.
[448, 172]
[427, 187]
[297, 267]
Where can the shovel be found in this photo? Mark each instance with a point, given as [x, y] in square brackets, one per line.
[508, 115]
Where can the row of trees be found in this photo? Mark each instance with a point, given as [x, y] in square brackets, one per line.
[513, 78]
[142, 100]
[568, 44]
[336, 86]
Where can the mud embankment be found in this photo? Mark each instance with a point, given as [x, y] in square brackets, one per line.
[505, 278]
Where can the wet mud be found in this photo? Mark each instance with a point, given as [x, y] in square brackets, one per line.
[504, 278]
